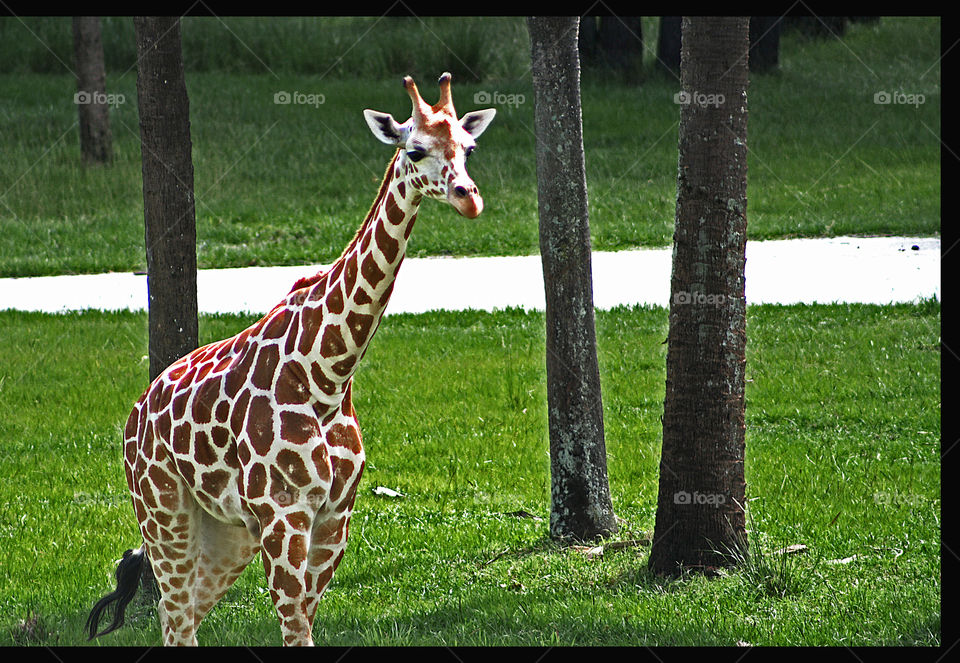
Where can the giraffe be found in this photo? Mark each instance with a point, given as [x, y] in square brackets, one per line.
[252, 443]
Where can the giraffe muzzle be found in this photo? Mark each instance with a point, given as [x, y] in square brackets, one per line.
[466, 200]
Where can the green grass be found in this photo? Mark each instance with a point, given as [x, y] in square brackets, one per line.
[843, 456]
[289, 184]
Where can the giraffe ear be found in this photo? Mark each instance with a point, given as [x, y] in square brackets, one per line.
[384, 127]
[476, 122]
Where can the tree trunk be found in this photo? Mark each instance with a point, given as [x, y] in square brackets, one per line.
[96, 141]
[700, 506]
[587, 43]
[581, 507]
[764, 43]
[621, 42]
[818, 27]
[668, 44]
[168, 203]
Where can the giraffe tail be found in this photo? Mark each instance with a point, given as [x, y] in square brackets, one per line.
[128, 580]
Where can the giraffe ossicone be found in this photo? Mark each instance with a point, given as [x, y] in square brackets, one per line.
[251, 444]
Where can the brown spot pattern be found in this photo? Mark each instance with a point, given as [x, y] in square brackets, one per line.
[291, 341]
[239, 413]
[342, 471]
[292, 384]
[181, 438]
[361, 297]
[343, 368]
[205, 399]
[321, 462]
[350, 273]
[237, 376]
[359, 324]
[293, 467]
[370, 271]
[203, 453]
[256, 482]
[332, 344]
[335, 300]
[297, 428]
[344, 436]
[312, 321]
[394, 214]
[267, 360]
[277, 326]
[320, 379]
[388, 245]
[260, 424]
[214, 482]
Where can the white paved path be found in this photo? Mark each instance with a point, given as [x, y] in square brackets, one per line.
[842, 269]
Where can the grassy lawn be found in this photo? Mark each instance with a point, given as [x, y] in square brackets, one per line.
[843, 456]
[289, 184]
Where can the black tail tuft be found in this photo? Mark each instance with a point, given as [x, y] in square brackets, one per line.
[128, 580]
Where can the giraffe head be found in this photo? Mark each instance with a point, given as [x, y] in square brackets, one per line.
[434, 146]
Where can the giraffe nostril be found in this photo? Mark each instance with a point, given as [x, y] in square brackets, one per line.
[460, 191]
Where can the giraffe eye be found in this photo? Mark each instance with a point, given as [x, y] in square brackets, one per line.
[416, 155]
[467, 152]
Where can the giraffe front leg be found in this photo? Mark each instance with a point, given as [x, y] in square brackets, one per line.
[301, 549]
[331, 528]
[328, 543]
[284, 548]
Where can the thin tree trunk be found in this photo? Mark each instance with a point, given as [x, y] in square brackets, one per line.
[621, 42]
[168, 203]
[96, 141]
[700, 506]
[765, 43]
[588, 42]
[668, 44]
[581, 507]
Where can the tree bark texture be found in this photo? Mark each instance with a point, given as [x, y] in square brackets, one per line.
[765, 43]
[668, 44]
[96, 141]
[168, 203]
[621, 41]
[581, 507]
[700, 506]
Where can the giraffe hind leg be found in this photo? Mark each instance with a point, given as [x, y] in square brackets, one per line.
[226, 550]
[170, 523]
[195, 560]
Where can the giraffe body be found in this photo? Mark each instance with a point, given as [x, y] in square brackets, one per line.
[251, 444]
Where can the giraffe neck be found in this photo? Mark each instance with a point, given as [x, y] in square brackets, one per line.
[341, 308]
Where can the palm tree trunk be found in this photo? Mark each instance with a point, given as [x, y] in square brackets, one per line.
[581, 507]
[700, 506]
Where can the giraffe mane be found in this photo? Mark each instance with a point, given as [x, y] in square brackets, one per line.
[310, 281]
